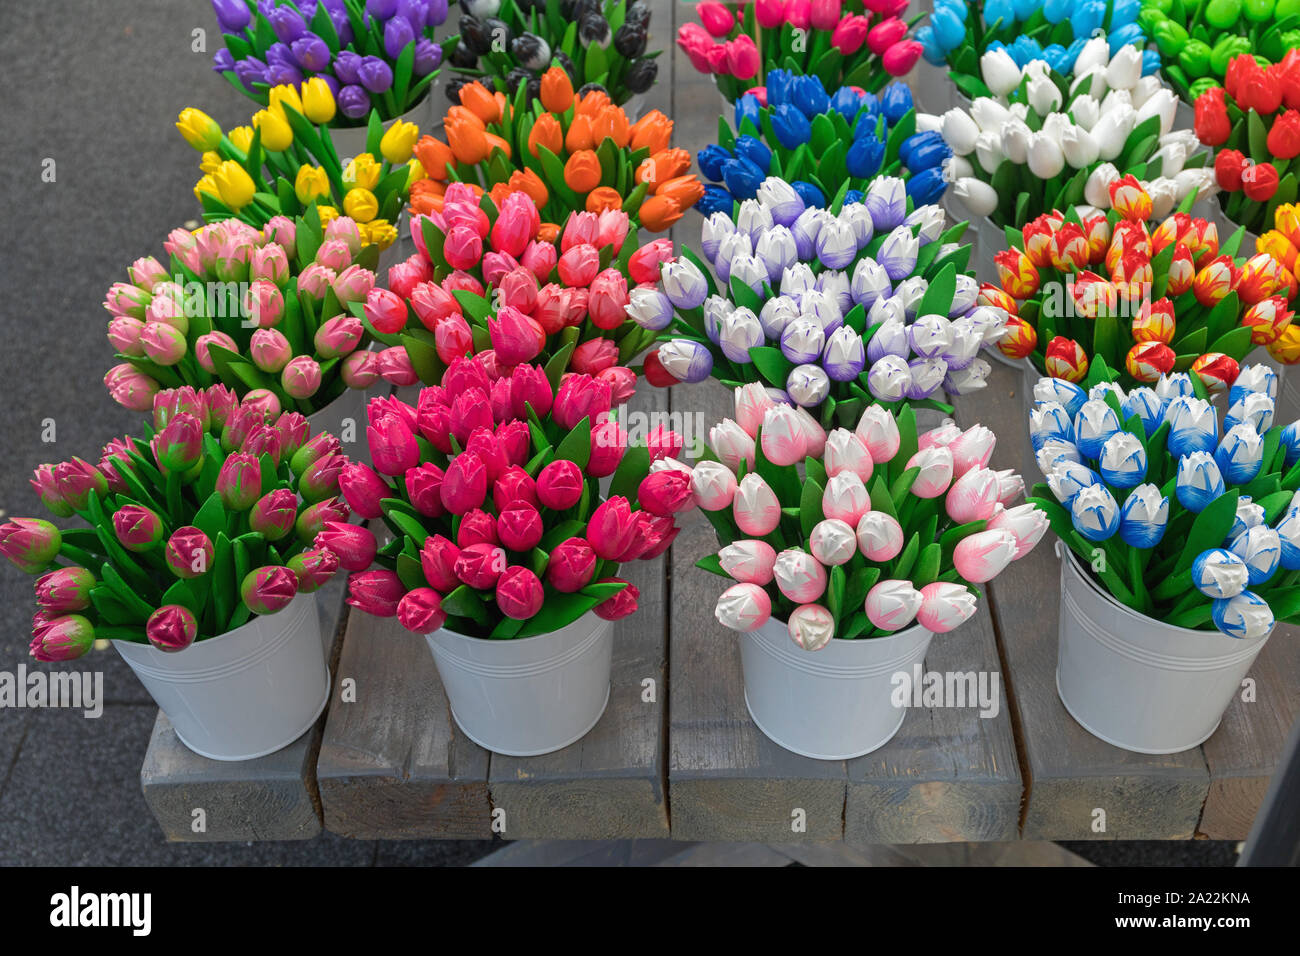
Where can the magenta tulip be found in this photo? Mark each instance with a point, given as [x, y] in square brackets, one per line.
[571, 565]
[560, 485]
[621, 604]
[313, 568]
[189, 551]
[268, 589]
[64, 590]
[376, 592]
[420, 611]
[171, 628]
[519, 594]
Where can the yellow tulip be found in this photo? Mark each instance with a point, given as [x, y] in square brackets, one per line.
[362, 171]
[234, 185]
[1286, 348]
[317, 101]
[277, 134]
[311, 183]
[281, 96]
[414, 173]
[210, 162]
[361, 204]
[199, 129]
[398, 142]
[380, 232]
[327, 214]
[206, 185]
[241, 137]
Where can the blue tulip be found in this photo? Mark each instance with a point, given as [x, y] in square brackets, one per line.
[1095, 422]
[1240, 455]
[748, 108]
[1056, 10]
[1150, 62]
[1129, 34]
[778, 87]
[1059, 390]
[711, 158]
[755, 150]
[934, 54]
[853, 195]
[847, 103]
[949, 31]
[791, 126]
[1050, 420]
[1025, 8]
[1055, 55]
[1147, 406]
[742, 178]
[1024, 49]
[1193, 426]
[1144, 517]
[1199, 481]
[1088, 17]
[922, 151]
[1288, 530]
[715, 199]
[1261, 548]
[869, 124]
[999, 10]
[810, 194]
[1246, 616]
[927, 187]
[1290, 440]
[1124, 12]
[864, 157]
[1072, 54]
[1095, 513]
[1219, 574]
[956, 7]
[808, 94]
[895, 101]
[1123, 461]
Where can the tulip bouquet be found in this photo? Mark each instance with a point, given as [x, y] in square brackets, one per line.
[816, 142]
[376, 55]
[513, 42]
[1197, 41]
[835, 309]
[262, 312]
[569, 153]
[738, 43]
[1253, 121]
[286, 163]
[486, 282]
[201, 523]
[1074, 136]
[959, 35]
[489, 486]
[1171, 298]
[1179, 520]
[880, 529]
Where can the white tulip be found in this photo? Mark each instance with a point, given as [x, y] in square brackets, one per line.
[1018, 110]
[925, 122]
[1084, 211]
[989, 151]
[1111, 132]
[1086, 111]
[959, 131]
[1037, 69]
[1116, 98]
[1000, 73]
[1097, 188]
[1079, 147]
[1164, 196]
[1096, 52]
[1162, 103]
[988, 114]
[957, 167]
[1124, 69]
[1186, 137]
[1172, 157]
[1092, 83]
[977, 196]
[1045, 157]
[1145, 88]
[1015, 141]
[1200, 181]
[1043, 95]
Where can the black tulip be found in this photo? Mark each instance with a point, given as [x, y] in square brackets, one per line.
[499, 34]
[630, 41]
[515, 77]
[641, 76]
[638, 14]
[452, 88]
[475, 35]
[463, 57]
[583, 8]
[566, 62]
[593, 28]
[589, 88]
[534, 88]
[531, 51]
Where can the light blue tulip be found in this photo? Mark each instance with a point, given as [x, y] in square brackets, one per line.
[1219, 573]
[1144, 517]
[1199, 481]
[1261, 548]
[1095, 513]
[1246, 616]
[1240, 455]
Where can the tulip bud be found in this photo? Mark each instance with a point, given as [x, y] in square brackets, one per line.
[981, 557]
[376, 592]
[892, 605]
[171, 628]
[743, 607]
[64, 638]
[64, 590]
[268, 589]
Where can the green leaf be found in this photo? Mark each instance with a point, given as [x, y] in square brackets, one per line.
[576, 446]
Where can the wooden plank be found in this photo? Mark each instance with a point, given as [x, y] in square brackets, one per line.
[1071, 777]
[270, 798]
[610, 784]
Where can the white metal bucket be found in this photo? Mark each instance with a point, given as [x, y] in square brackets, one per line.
[351, 140]
[931, 88]
[245, 693]
[831, 704]
[1136, 682]
[528, 696]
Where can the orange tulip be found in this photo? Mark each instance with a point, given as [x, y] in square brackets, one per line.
[548, 232]
[527, 181]
[476, 98]
[582, 171]
[468, 142]
[461, 114]
[580, 135]
[557, 90]
[602, 198]
[652, 131]
[593, 103]
[499, 192]
[611, 122]
[658, 213]
[496, 142]
[663, 166]
[546, 132]
[426, 196]
[434, 155]
[686, 190]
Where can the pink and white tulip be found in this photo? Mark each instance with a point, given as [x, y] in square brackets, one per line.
[981, 557]
[755, 507]
[845, 452]
[879, 433]
[713, 484]
[892, 604]
[1010, 486]
[833, 542]
[783, 437]
[799, 576]
[749, 562]
[973, 496]
[732, 444]
[743, 607]
[814, 434]
[941, 435]
[972, 449]
[846, 498]
[936, 466]
[1027, 522]
[880, 536]
[811, 626]
[944, 606]
[752, 403]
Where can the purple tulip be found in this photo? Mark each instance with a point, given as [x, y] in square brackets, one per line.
[686, 361]
[313, 53]
[224, 61]
[927, 377]
[428, 57]
[844, 356]
[802, 341]
[354, 102]
[886, 200]
[930, 335]
[346, 67]
[381, 9]
[250, 70]
[281, 74]
[280, 53]
[435, 13]
[375, 75]
[890, 339]
[232, 15]
[397, 35]
[287, 23]
[805, 230]
[898, 253]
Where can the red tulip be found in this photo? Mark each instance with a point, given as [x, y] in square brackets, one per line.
[621, 604]
[1259, 181]
[1228, 166]
[1211, 117]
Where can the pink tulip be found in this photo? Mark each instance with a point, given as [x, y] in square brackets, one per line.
[392, 447]
[749, 562]
[826, 13]
[171, 628]
[406, 275]
[424, 488]
[850, 33]
[519, 593]
[363, 489]
[462, 247]
[799, 576]
[743, 58]
[665, 492]
[513, 229]
[782, 437]
[662, 442]
[376, 592]
[283, 232]
[880, 537]
[571, 565]
[354, 545]
[63, 638]
[385, 311]
[717, 19]
[477, 527]
[470, 411]
[515, 441]
[268, 589]
[302, 376]
[420, 611]
[539, 258]
[844, 451]
[732, 445]
[612, 227]
[833, 542]
[204, 343]
[30, 543]
[936, 471]
[343, 229]
[972, 449]
[496, 266]
[163, 344]
[845, 497]
[798, 14]
[518, 289]
[885, 34]
[743, 607]
[756, 509]
[1027, 522]
[594, 356]
[879, 433]
[944, 606]
[464, 486]
[313, 569]
[560, 485]
[484, 444]
[360, 369]
[433, 304]
[269, 263]
[269, 350]
[770, 14]
[612, 528]
[752, 405]
[124, 334]
[395, 366]
[480, 565]
[64, 590]
[272, 516]
[892, 605]
[644, 264]
[973, 496]
[901, 57]
[608, 443]
[714, 485]
[460, 281]
[314, 282]
[942, 435]
[983, 556]
[516, 337]
[338, 336]
[621, 604]
[814, 434]
[580, 228]
[519, 527]
[579, 266]
[579, 397]
[438, 561]
[608, 300]
[514, 487]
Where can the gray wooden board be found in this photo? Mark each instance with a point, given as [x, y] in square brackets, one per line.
[1070, 775]
[270, 798]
